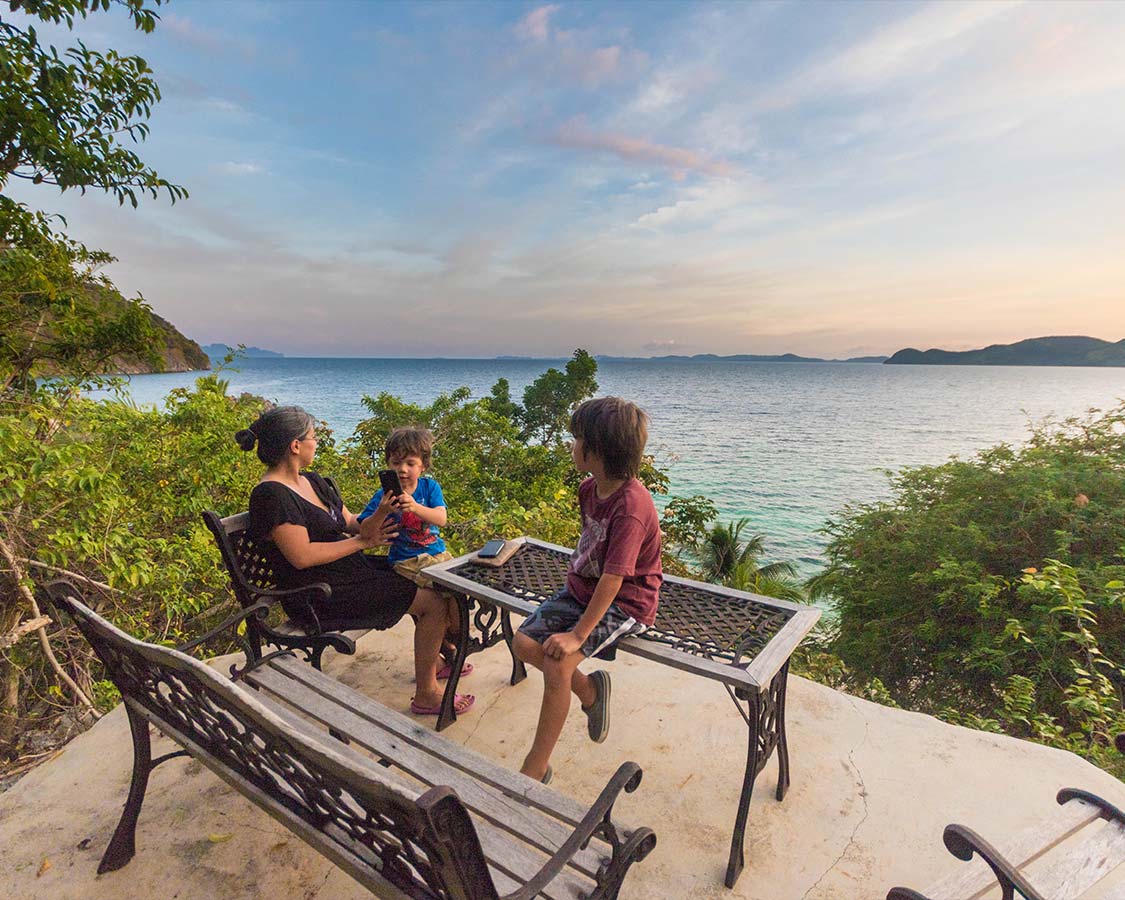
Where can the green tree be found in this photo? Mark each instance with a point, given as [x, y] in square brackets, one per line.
[549, 400]
[734, 560]
[65, 117]
[65, 120]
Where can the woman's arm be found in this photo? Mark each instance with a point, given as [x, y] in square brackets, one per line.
[301, 553]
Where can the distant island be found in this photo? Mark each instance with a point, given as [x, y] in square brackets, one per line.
[218, 351]
[740, 357]
[1042, 351]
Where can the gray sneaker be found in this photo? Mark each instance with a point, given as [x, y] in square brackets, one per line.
[597, 713]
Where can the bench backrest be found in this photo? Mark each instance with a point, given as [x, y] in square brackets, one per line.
[246, 564]
[423, 845]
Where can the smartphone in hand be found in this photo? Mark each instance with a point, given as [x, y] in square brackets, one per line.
[388, 481]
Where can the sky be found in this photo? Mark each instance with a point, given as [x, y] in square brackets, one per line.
[478, 179]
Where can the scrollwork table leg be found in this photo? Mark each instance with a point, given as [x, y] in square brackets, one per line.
[448, 711]
[519, 670]
[780, 684]
[737, 858]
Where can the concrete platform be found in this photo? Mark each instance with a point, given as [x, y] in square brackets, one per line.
[872, 790]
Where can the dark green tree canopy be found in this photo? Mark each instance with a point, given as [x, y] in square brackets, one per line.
[67, 117]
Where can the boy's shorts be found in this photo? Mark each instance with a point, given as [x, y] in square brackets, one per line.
[412, 568]
[561, 613]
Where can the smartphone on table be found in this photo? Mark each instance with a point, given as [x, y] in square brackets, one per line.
[492, 549]
[388, 481]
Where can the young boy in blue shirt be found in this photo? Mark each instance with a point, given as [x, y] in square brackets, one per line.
[421, 512]
[612, 582]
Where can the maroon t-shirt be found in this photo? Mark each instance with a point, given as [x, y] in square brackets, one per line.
[620, 536]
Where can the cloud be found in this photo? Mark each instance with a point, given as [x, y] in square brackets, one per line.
[579, 54]
[204, 38]
[663, 345]
[574, 135]
[239, 168]
[908, 48]
[536, 25]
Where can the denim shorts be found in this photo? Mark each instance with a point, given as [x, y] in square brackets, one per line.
[561, 613]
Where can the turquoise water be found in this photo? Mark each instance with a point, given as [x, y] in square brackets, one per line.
[782, 444]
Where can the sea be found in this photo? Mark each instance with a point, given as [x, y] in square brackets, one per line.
[783, 445]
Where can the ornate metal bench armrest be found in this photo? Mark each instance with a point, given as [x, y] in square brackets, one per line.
[259, 610]
[963, 842]
[627, 848]
[274, 594]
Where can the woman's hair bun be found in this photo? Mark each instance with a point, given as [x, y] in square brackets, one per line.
[246, 439]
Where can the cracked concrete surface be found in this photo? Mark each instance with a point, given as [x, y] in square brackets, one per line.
[872, 790]
[861, 792]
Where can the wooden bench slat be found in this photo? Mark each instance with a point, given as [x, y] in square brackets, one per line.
[507, 812]
[1080, 867]
[505, 780]
[520, 862]
[974, 878]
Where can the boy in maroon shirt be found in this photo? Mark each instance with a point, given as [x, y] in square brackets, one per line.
[612, 581]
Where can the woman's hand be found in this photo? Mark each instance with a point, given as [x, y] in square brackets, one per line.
[377, 529]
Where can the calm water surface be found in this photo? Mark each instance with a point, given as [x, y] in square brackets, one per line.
[782, 444]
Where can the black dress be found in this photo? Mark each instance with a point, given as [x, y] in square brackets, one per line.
[366, 591]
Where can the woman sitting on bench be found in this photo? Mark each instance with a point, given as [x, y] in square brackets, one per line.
[300, 522]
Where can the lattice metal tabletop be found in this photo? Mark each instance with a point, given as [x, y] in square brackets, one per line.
[711, 623]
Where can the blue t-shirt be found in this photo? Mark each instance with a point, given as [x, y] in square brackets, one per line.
[414, 536]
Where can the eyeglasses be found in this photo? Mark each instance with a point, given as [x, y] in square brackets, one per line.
[308, 437]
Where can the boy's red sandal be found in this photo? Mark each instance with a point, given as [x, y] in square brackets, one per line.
[461, 703]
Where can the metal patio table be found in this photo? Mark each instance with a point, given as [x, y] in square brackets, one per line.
[739, 639]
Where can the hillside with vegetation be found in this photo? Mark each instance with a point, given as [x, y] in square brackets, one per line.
[1042, 351]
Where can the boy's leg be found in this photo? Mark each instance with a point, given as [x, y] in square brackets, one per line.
[411, 569]
[531, 652]
[557, 674]
[429, 610]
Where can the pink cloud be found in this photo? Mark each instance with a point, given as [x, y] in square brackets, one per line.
[679, 160]
[536, 25]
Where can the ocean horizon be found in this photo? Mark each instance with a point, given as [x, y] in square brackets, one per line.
[783, 444]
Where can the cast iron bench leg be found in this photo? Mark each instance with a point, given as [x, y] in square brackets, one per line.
[122, 845]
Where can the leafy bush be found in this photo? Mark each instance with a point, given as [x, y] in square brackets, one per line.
[988, 590]
[111, 494]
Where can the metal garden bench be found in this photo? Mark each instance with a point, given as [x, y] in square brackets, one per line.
[741, 640]
[1057, 859]
[434, 820]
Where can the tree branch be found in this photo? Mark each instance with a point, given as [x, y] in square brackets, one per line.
[41, 631]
